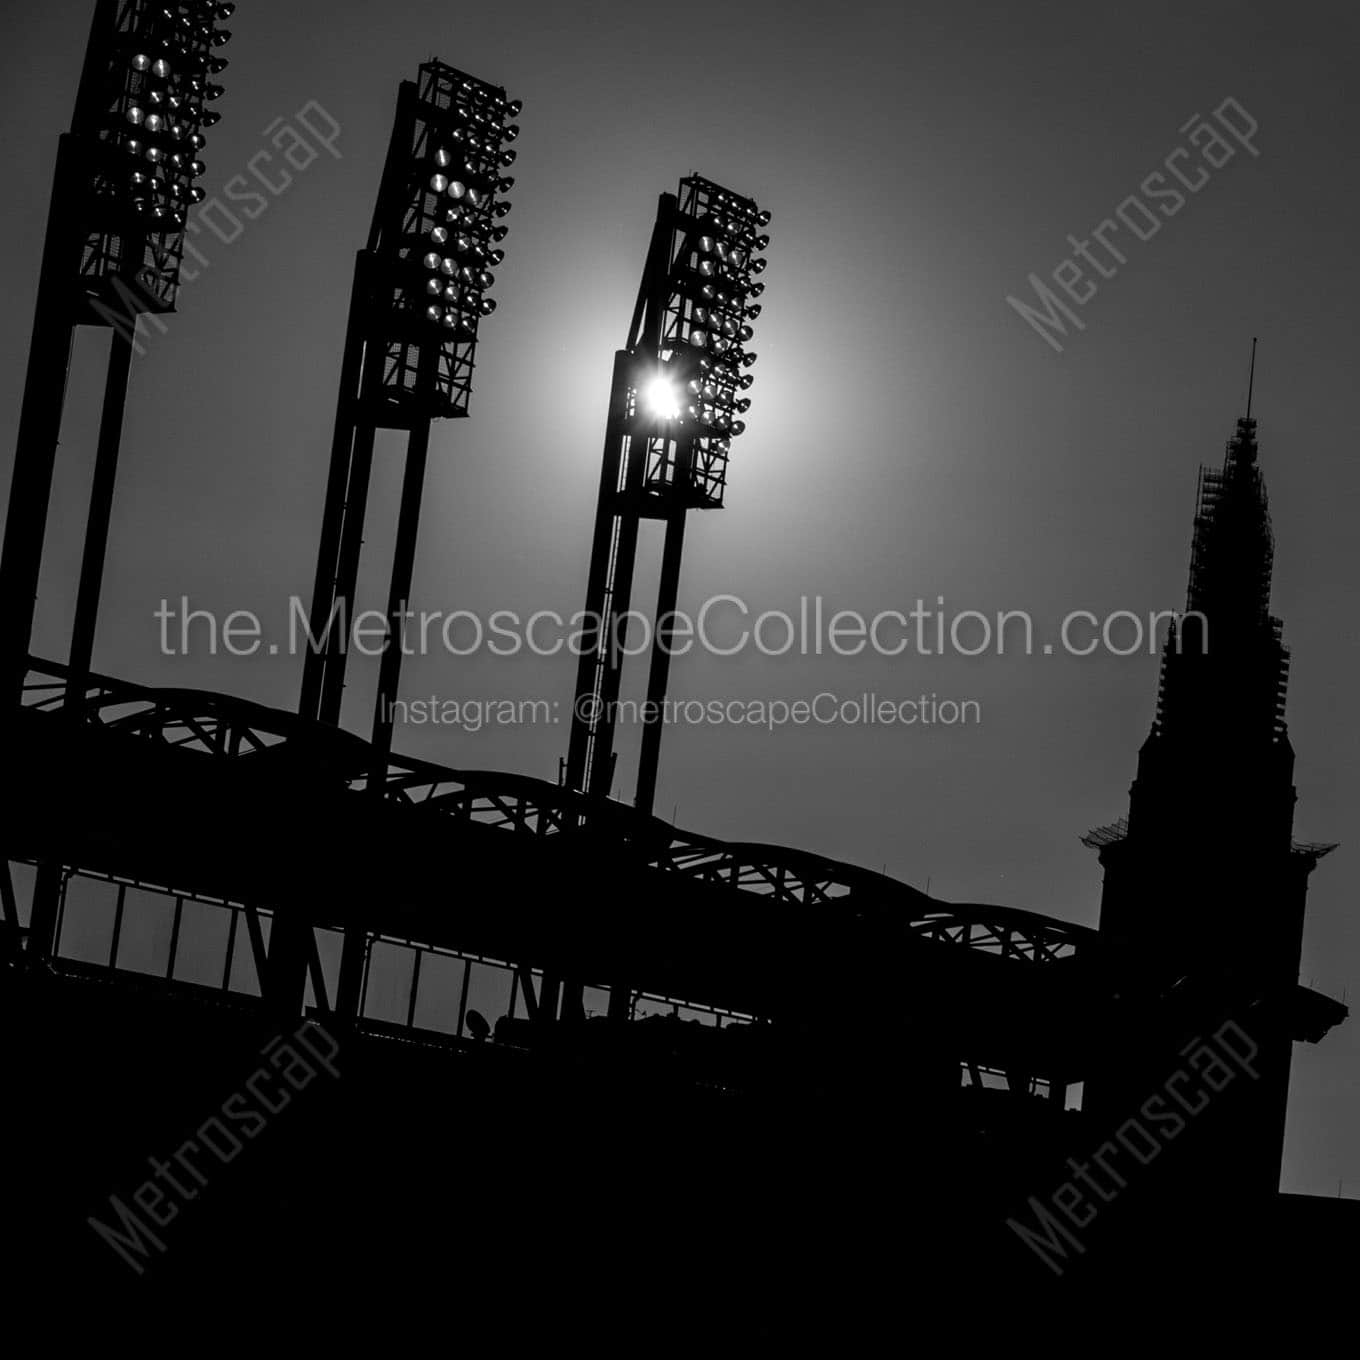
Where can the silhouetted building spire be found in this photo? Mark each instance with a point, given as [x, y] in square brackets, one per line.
[1203, 882]
[1219, 755]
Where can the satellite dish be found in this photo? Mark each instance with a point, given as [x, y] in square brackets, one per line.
[477, 1026]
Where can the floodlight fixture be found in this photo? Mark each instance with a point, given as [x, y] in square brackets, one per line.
[434, 236]
[135, 143]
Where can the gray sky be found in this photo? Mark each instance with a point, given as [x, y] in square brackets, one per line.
[910, 436]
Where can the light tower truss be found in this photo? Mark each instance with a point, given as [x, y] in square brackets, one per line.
[421, 288]
[125, 179]
[676, 402]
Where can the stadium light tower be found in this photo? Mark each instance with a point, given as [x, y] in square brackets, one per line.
[421, 289]
[125, 179]
[677, 401]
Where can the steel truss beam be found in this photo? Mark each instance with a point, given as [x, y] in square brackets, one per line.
[237, 731]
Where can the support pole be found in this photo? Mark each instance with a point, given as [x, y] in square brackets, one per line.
[600, 771]
[667, 594]
[48, 883]
[9, 913]
[346, 581]
[30, 492]
[47, 886]
[348, 992]
[350, 985]
[403, 569]
[585, 723]
[284, 984]
[100, 517]
[327, 567]
[620, 1002]
[339, 502]
[549, 996]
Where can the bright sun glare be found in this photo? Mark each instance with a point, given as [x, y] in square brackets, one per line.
[662, 399]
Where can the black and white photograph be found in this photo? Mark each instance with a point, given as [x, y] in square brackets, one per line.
[675, 677]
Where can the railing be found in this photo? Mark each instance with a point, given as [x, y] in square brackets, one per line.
[109, 924]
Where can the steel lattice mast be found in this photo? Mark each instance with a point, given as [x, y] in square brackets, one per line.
[421, 288]
[125, 177]
[676, 402]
